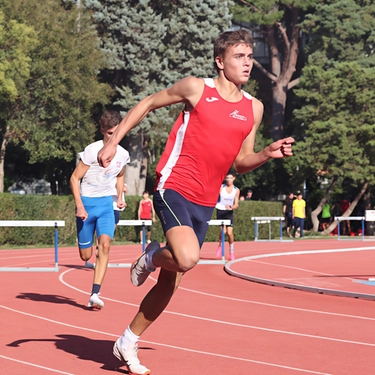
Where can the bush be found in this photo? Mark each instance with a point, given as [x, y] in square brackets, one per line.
[34, 207]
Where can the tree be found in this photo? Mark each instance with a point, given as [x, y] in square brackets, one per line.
[151, 45]
[337, 89]
[52, 115]
[16, 43]
[278, 22]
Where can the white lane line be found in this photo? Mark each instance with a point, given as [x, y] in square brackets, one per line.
[34, 365]
[225, 322]
[166, 345]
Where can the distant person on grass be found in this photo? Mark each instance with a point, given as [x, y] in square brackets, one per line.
[93, 188]
[228, 201]
[215, 130]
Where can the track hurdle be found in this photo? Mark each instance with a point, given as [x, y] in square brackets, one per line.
[222, 260]
[35, 223]
[130, 223]
[267, 220]
[355, 218]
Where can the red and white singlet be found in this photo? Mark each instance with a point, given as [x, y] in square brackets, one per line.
[203, 145]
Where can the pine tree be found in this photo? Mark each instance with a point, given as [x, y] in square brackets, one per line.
[151, 45]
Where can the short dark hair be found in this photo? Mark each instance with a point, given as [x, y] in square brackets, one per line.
[109, 120]
[228, 39]
[249, 191]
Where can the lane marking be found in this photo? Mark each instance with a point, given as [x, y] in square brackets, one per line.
[35, 365]
[165, 345]
[225, 322]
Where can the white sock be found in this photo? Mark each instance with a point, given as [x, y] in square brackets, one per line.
[231, 247]
[129, 338]
[150, 266]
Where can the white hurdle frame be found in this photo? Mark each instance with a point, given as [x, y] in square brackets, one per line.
[130, 223]
[267, 220]
[221, 223]
[345, 218]
[145, 223]
[35, 223]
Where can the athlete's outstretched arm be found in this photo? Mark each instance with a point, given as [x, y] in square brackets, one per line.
[247, 160]
[186, 91]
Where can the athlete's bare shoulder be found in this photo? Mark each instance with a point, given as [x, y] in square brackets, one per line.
[189, 88]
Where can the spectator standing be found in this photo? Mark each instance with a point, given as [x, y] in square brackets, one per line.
[326, 215]
[299, 214]
[248, 195]
[288, 213]
[146, 212]
[345, 224]
[228, 201]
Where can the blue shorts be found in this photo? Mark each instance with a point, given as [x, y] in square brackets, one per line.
[101, 220]
[174, 210]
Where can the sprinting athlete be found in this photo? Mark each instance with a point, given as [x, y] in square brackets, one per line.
[228, 201]
[93, 188]
[191, 170]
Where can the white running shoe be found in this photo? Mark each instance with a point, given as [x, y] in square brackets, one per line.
[138, 271]
[95, 302]
[130, 357]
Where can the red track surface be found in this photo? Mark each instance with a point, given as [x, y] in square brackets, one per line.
[215, 323]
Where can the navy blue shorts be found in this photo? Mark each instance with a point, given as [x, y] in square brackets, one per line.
[225, 215]
[174, 210]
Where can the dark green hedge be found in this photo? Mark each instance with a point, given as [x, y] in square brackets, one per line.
[33, 207]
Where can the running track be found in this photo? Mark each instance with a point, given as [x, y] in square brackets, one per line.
[215, 324]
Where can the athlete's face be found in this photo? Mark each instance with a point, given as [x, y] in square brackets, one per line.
[229, 179]
[237, 63]
[107, 134]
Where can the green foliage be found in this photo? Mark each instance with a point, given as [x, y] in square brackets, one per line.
[343, 30]
[52, 117]
[16, 42]
[31, 207]
[337, 90]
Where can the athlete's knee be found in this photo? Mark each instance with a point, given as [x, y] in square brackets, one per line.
[186, 262]
[85, 254]
[104, 248]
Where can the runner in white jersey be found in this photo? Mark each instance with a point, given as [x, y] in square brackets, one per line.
[227, 202]
[93, 188]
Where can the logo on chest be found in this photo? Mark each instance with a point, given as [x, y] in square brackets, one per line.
[237, 116]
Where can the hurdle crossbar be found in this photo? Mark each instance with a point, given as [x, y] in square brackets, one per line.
[354, 218]
[35, 223]
[134, 223]
[267, 220]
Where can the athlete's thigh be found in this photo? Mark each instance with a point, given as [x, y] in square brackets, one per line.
[86, 228]
[105, 223]
[176, 211]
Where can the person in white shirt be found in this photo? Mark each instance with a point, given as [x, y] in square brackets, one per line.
[228, 201]
[93, 188]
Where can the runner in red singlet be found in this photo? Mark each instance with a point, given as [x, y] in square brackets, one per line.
[146, 212]
[215, 131]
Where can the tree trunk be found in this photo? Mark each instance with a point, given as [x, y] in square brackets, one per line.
[136, 170]
[318, 210]
[3, 148]
[278, 109]
[350, 209]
